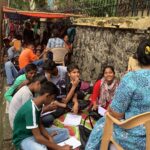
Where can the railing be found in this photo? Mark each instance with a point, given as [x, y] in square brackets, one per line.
[102, 8]
[97, 8]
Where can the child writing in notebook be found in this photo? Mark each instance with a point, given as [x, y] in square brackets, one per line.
[68, 95]
[28, 131]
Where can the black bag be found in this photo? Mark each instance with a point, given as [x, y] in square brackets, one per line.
[84, 132]
[82, 104]
[95, 115]
[85, 89]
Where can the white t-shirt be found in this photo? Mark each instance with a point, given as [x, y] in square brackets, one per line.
[24, 94]
[62, 70]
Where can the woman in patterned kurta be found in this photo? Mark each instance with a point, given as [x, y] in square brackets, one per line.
[131, 98]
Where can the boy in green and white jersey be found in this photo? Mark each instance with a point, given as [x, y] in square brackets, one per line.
[28, 131]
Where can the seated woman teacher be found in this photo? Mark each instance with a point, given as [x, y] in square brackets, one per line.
[132, 98]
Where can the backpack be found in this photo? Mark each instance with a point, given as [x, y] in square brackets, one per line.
[85, 89]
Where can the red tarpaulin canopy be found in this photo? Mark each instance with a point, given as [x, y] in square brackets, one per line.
[36, 14]
[43, 15]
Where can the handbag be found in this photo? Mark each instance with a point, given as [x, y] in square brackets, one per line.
[82, 104]
[86, 87]
[95, 115]
[85, 132]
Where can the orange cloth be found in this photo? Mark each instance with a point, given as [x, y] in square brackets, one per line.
[17, 45]
[26, 57]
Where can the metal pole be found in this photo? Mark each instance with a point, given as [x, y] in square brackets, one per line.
[8, 3]
[1, 21]
[133, 7]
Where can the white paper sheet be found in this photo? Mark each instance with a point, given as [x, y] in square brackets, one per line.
[101, 110]
[72, 120]
[72, 141]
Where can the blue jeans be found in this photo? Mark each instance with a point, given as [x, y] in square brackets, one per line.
[38, 62]
[30, 143]
[11, 72]
[48, 119]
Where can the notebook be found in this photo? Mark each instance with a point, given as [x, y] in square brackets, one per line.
[46, 113]
[72, 119]
[72, 141]
[101, 110]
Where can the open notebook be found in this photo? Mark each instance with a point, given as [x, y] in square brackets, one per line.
[72, 141]
[72, 119]
[101, 111]
[47, 113]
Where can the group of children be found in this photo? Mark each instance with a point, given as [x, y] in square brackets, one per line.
[37, 99]
[23, 49]
[41, 91]
[32, 94]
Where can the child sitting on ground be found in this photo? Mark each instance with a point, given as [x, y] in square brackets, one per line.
[28, 131]
[20, 81]
[24, 94]
[68, 95]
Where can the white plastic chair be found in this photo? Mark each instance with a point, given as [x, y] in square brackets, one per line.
[59, 55]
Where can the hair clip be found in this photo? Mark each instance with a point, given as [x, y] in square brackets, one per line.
[147, 50]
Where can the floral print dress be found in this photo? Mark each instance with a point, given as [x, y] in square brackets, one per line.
[132, 98]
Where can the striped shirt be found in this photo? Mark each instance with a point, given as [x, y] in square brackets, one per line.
[55, 42]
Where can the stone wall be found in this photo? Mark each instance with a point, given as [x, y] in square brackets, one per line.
[96, 47]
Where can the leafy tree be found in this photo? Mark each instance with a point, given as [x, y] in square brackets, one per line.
[89, 7]
[23, 5]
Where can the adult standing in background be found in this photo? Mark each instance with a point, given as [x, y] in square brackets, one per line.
[28, 35]
[54, 42]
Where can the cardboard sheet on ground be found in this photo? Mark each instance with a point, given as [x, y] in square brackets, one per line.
[72, 119]
[72, 141]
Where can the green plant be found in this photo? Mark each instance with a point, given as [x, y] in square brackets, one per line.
[24, 5]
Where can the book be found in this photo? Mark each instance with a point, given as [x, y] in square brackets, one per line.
[72, 119]
[47, 113]
[101, 111]
[72, 141]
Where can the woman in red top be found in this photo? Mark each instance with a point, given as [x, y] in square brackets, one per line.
[104, 88]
